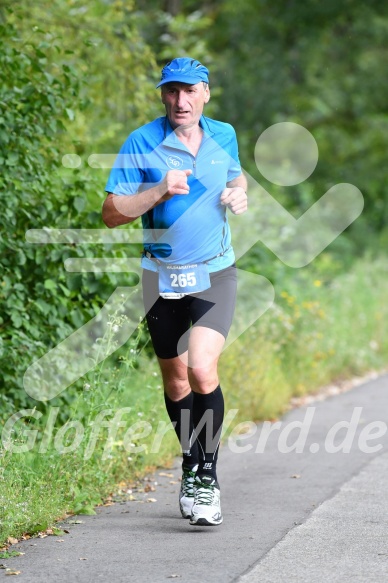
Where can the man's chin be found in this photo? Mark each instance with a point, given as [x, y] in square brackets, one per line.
[182, 119]
[182, 122]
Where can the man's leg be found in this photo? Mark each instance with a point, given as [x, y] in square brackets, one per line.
[212, 315]
[193, 376]
[205, 346]
[168, 320]
[178, 397]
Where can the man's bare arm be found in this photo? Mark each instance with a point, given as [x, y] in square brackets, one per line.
[240, 181]
[120, 210]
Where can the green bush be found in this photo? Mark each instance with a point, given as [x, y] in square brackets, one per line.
[41, 303]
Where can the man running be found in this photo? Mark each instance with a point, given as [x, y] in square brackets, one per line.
[180, 173]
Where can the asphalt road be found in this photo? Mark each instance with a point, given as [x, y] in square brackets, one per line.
[318, 514]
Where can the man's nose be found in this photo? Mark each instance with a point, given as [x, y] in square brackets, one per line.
[181, 99]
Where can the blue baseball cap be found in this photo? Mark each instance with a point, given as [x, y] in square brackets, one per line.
[184, 70]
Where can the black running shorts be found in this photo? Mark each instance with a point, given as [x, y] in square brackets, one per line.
[168, 320]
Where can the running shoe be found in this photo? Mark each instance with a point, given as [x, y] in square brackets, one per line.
[186, 494]
[206, 509]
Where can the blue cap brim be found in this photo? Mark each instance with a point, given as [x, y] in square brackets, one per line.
[182, 79]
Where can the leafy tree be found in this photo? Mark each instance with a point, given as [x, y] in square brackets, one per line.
[42, 92]
[318, 64]
[101, 41]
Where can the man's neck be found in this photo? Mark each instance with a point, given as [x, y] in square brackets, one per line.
[189, 133]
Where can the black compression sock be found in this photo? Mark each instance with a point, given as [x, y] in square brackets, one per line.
[181, 413]
[208, 415]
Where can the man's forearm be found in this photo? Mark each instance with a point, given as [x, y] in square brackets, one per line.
[120, 209]
[240, 181]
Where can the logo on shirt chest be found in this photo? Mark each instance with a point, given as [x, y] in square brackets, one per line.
[174, 162]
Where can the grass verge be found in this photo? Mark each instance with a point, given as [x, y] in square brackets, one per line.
[316, 332]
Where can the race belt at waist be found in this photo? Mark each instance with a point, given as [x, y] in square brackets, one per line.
[176, 281]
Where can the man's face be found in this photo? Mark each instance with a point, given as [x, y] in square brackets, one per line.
[184, 103]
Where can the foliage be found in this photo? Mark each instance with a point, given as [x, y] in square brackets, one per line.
[41, 303]
[34, 104]
[101, 41]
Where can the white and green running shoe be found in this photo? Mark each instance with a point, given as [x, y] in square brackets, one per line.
[186, 493]
[206, 509]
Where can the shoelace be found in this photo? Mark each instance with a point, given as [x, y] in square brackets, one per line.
[204, 495]
[188, 483]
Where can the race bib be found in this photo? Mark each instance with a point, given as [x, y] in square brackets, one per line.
[176, 281]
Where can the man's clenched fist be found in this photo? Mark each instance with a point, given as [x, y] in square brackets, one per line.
[175, 182]
[235, 199]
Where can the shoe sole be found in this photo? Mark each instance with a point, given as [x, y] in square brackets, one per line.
[204, 522]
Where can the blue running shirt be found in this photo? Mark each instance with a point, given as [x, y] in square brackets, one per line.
[196, 226]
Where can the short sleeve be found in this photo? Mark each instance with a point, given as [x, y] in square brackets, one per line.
[127, 173]
[234, 169]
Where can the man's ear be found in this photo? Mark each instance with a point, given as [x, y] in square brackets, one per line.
[207, 94]
[162, 95]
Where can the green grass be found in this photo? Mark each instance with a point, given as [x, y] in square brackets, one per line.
[318, 330]
[38, 487]
[9, 554]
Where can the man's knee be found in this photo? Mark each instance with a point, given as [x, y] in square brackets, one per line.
[175, 380]
[203, 380]
[176, 389]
